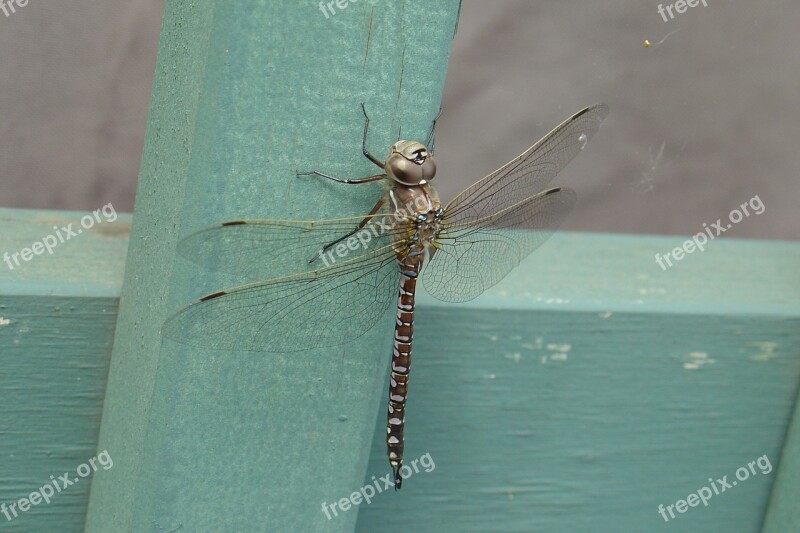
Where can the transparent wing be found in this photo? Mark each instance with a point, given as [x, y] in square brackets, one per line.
[529, 173]
[259, 249]
[314, 309]
[472, 258]
[483, 237]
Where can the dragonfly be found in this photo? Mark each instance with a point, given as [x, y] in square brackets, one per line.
[360, 266]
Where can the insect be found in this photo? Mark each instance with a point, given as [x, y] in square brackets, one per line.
[363, 264]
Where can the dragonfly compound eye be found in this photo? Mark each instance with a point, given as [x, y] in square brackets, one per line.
[428, 168]
[403, 171]
[410, 163]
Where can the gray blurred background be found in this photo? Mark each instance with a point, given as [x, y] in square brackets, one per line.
[701, 121]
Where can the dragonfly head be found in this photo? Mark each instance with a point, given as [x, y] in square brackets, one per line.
[410, 163]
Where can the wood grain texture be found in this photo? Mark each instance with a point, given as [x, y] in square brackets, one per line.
[57, 315]
[246, 93]
[783, 513]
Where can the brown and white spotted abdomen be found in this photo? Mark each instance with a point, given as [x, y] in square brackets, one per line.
[401, 363]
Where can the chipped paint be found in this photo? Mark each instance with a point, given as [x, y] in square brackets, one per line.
[696, 360]
[558, 352]
[766, 350]
[654, 290]
[559, 347]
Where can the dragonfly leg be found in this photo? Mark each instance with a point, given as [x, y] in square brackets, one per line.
[368, 179]
[431, 140]
[367, 154]
[364, 140]
[358, 227]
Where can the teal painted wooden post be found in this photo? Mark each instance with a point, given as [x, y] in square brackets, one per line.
[783, 513]
[57, 314]
[245, 93]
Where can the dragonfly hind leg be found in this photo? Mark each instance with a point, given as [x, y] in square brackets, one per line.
[358, 227]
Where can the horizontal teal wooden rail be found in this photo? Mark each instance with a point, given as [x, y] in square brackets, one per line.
[57, 316]
[580, 394]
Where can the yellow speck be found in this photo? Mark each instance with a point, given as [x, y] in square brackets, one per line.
[646, 43]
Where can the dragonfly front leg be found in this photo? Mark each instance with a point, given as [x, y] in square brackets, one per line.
[355, 181]
[367, 154]
[364, 141]
[431, 139]
[358, 227]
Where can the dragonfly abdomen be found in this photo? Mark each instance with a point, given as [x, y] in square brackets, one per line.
[401, 363]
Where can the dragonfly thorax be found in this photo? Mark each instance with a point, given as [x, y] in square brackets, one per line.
[418, 211]
[410, 163]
